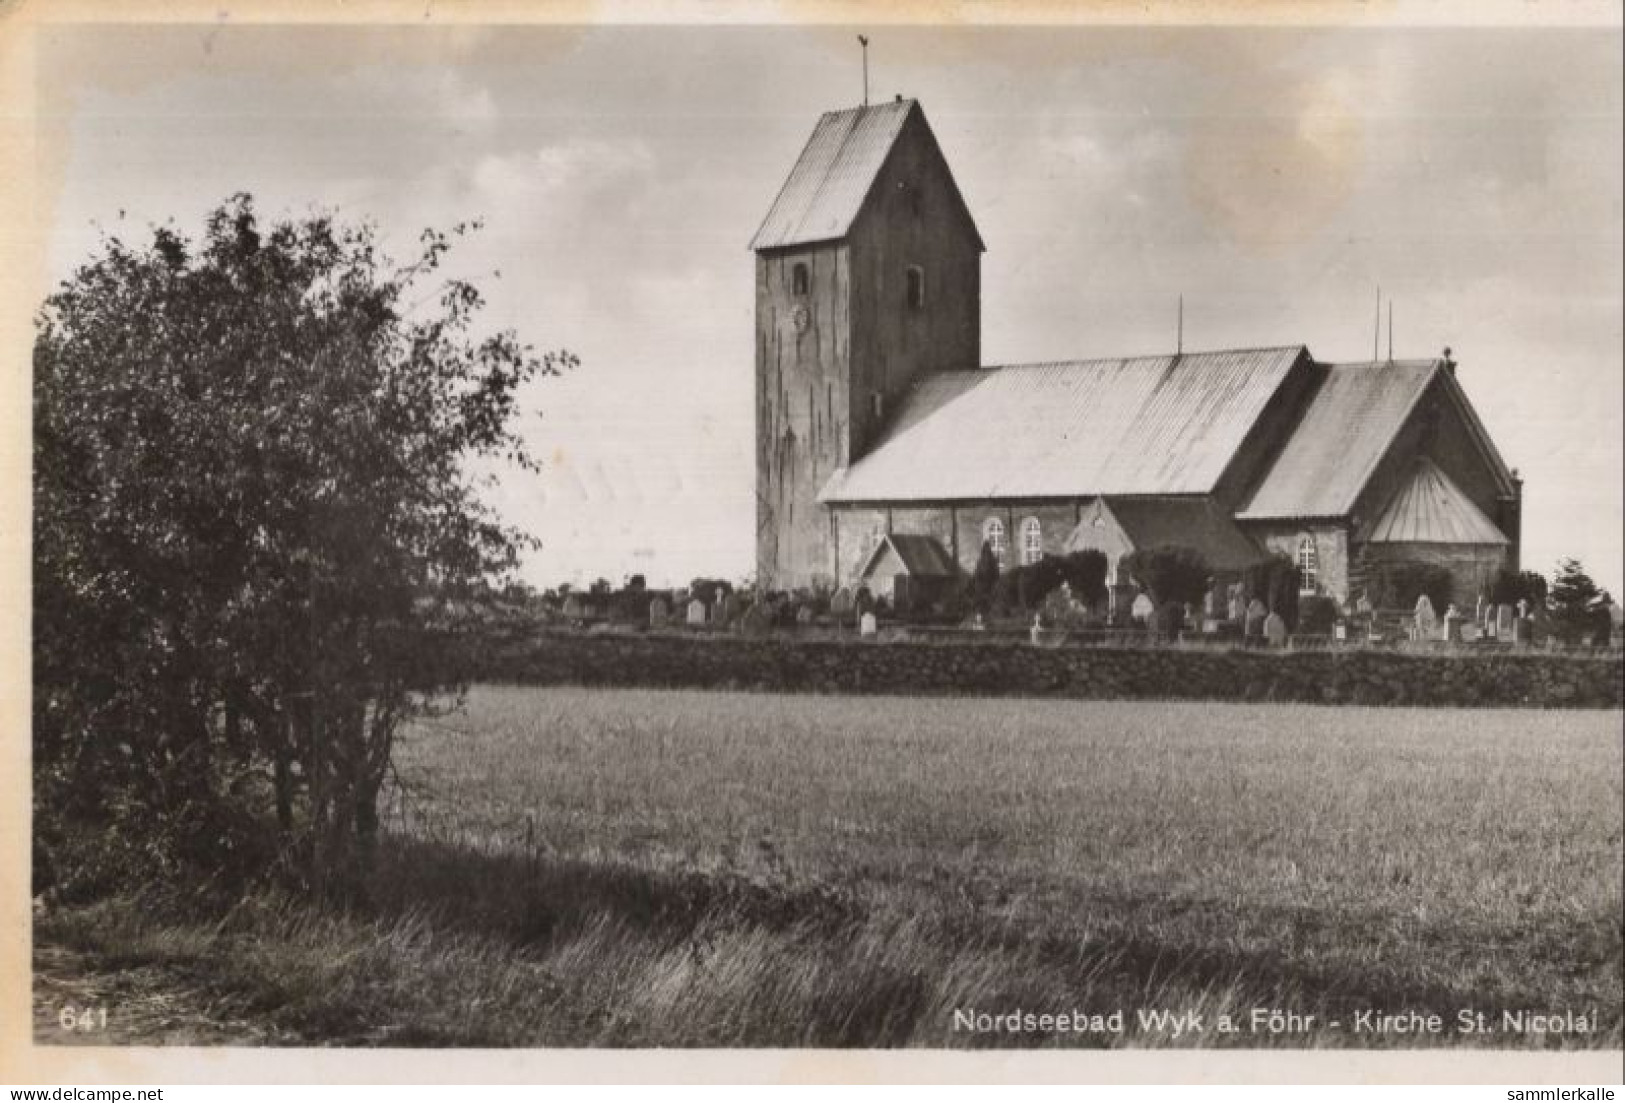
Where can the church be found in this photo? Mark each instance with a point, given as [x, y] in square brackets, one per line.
[886, 450]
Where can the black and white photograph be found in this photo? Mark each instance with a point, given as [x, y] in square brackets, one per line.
[1098, 530]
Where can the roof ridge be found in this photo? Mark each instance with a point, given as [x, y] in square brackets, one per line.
[1139, 357]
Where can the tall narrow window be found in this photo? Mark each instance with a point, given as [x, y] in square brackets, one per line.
[1308, 566]
[1032, 540]
[798, 279]
[916, 287]
[993, 536]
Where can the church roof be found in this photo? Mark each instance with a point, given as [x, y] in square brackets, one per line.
[834, 175]
[920, 556]
[1338, 442]
[1430, 509]
[1194, 522]
[1145, 425]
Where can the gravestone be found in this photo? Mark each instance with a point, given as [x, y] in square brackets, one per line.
[1487, 622]
[696, 613]
[1504, 615]
[1256, 613]
[1425, 620]
[572, 607]
[804, 615]
[658, 612]
[1142, 608]
[1470, 632]
[1340, 631]
[867, 625]
[1237, 608]
[1452, 625]
[1275, 630]
[726, 609]
[1523, 631]
[840, 603]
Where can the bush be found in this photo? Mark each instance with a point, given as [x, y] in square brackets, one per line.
[1171, 572]
[1316, 615]
[1275, 582]
[1511, 587]
[1579, 607]
[1399, 585]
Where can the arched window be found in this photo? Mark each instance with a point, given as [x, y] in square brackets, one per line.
[798, 279]
[993, 536]
[916, 287]
[1308, 566]
[1032, 540]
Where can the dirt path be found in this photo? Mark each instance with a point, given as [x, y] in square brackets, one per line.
[144, 1006]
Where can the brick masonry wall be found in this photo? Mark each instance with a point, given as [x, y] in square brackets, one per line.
[1001, 668]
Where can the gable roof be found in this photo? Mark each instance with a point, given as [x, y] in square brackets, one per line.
[1194, 522]
[825, 191]
[1350, 424]
[1144, 425]
[1431, 509]
[921, 556]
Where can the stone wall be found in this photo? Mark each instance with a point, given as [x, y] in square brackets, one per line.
[1004, 668]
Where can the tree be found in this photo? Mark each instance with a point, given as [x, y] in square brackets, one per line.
[1511, 587]
[1275, 582]
[984, 578]
[253, 506]
[1575, 601]
[1170, 572]
[1085, 572]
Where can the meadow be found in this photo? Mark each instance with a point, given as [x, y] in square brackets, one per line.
[572, 866]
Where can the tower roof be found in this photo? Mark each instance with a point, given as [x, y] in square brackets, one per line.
[835, 174]
[1430, 509]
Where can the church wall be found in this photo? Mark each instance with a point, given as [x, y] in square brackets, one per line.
[1472, 567]
[957, 528]
[802, 408]
[1332, 549]
[911, 218]
[857, 529]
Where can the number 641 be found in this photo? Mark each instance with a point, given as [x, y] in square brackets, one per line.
[87, 1019]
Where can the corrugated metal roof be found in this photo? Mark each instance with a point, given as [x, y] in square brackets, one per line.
[831, 179]
[1194, 522]
[1430, 509]
[921, 556]
[1148, 425]
[1348, 427]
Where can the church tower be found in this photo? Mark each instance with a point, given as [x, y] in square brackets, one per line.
[868, 274]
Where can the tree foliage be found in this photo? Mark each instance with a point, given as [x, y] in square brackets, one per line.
[253, 508]
[1398, 585]
[1579, 607]
[1274, 581]
[1511, 587]
[1170, 572]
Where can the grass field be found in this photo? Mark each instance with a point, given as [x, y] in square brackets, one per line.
[627, 867]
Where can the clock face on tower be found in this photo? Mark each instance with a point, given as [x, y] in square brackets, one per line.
[800, 317]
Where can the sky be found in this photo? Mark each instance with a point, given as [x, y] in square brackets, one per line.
[1274, 178]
